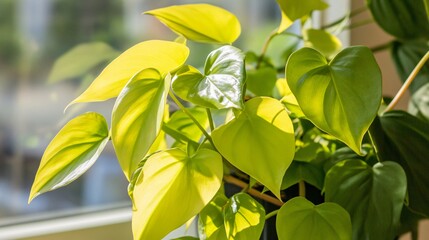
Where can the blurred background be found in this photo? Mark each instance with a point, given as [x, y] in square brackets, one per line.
[34, 33]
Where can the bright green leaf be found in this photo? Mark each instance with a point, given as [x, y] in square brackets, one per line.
[296, 9]
[323, 41]
[81, 59]
[162, 55]
[341, 97]
[137, 117]
[260, 141]
[301, 171]
[285, 23]
[244, 218]
[262, 81]
[373, 196]
[402, 19]
[168, 178]
[300, 219]
[288, 99]
[410, 136]
[71, 153]
[181, 123]
[186, 238]
[211, 222]
[406, 56]
[221, 86]
[200, 22]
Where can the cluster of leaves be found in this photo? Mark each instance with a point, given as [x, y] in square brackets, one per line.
[314, 123]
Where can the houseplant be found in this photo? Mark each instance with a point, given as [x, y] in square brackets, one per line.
[317, 120]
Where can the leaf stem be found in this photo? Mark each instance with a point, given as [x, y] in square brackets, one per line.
[301, 188]
[265, 47]
[271, 214]
[232, 180]
[407, 83]
[185, 110]
[359, 24]
[209, 115]
[353, 13]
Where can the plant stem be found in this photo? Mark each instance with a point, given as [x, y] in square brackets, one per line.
[381, 47]
[292, 34]
[301, 188]
[265, 47]
[209, 115]
[407, 83]
[353, 13]
[359, 24]
[185, 110]
[271, 214]
[232, 180]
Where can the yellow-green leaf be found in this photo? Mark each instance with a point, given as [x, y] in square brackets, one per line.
[72, 151]
[81, 59]
[288, 99]
[137, 117]
[285, 23]
[200, 22]
[296, 9]
[323, 41]
[164, 56]
[259, 142]
[211, 220]
[173, 187]
[244, 218]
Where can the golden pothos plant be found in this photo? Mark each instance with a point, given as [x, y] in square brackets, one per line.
[316, 121]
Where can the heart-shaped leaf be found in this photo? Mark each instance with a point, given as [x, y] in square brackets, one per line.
[323, 41]
[211, 221]
[221, 86]
[410, 136]
[200, 22]
[137, 117]
[80, 59]
[162, 55]
[168, 178]
[302, 171]
[71, 153]
[373, 196]
[406, 56]
[244, 218]
[259, 142]
[341, 97]
[300, 219]
[402, 19]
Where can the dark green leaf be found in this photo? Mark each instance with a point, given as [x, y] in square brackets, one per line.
[221, 85]
[373, 196]
[403, 19]
[261, 81]
[406, 56]
[341, 97]
[419, 103]
[410, 136]
[301, 171]
[300, 219]
[244, 218]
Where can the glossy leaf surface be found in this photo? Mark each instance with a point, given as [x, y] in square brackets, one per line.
[402, 19]
[341, 97]
[200, 22]
[81, 59]
[323, 41]
[71, 153]
[168, 178]
[244, 218]
[373, 196]
[259, 142]
[137, 117]
[211, 220]
[221, 85]
[410, 136]
[162, 55]
[300, 219]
